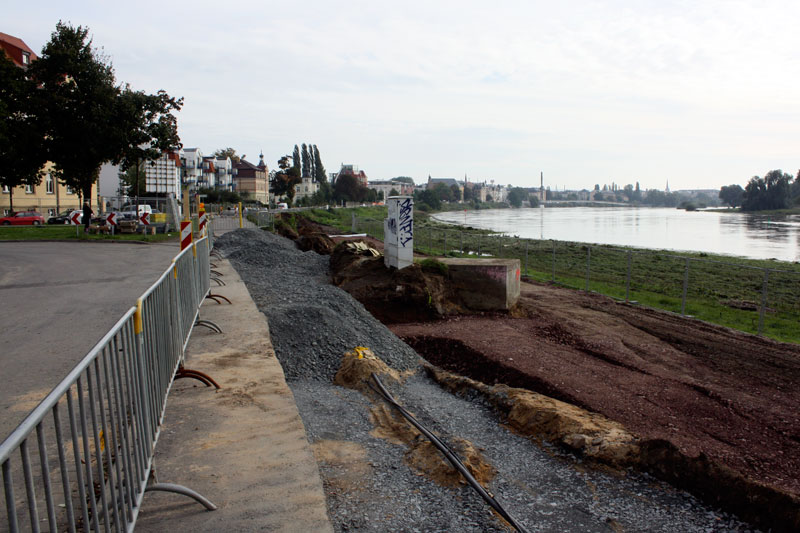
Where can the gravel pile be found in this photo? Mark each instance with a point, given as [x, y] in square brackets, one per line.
[368, 484]
[312, 322]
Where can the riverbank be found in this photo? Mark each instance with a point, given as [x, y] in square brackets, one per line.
[751, 295]
[378, 474]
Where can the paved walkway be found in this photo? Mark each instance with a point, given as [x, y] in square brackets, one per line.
[243, 447]
[58, 299]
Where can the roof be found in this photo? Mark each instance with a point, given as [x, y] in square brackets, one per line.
[445, 181]
[243, 163]
[14, 46]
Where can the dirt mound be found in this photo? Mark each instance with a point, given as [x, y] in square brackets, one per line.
[355, 373]
[535, 415]
[715, 409]
[392, 296]
[357, 368]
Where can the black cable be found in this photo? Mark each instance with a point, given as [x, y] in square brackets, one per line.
[448, 453]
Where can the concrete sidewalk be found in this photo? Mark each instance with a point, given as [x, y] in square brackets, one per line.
[243, 447]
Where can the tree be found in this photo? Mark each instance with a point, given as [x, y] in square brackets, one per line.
[132, 179]
[469, 195]
[90, 120]
[146, 128]
[22, 135]
[80, 100]
[296, 158]
[394, 192]
[427, 197]
[732, 195]
[770, 192]
[348, 188]
[306, 162]
[516, 196]
[222, 153]
[283, 182]
[404, 179]
[319, 169]
[455, 193]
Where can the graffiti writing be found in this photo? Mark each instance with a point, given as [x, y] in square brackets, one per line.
[406, 223]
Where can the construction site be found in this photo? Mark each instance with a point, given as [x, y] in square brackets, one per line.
[571, 410]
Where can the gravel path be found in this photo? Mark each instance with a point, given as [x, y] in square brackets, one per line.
[368, 484]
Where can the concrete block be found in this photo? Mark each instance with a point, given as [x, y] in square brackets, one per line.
[485, 284]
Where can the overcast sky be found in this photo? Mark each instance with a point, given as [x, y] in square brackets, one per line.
[698, 93]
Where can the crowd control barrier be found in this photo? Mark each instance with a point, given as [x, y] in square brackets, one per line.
[82, 459]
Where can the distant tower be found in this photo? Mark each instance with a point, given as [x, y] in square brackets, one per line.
[667, 186]
[541, 186]
[261, 163]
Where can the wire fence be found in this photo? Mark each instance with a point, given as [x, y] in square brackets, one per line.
[750, 298]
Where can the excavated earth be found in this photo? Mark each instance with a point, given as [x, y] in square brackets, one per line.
[709, 409]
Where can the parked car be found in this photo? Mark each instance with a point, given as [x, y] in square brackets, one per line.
[23, 218]
[132, 211]
[63, 217]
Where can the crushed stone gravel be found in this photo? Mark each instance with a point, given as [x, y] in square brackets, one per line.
[313, 323]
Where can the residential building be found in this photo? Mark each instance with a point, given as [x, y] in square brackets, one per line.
[307, 187]
[223, 173]
[50, 197]
[208, 178]
[252, 180]
[16, 50]
[386, 187]
[163, 175]
[192, 161]
[352, 170]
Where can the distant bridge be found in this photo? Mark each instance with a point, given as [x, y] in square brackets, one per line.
[583, 203]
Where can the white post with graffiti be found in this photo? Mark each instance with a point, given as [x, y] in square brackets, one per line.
[398, 231]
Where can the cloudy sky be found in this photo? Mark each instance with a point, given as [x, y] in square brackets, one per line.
[699, 93]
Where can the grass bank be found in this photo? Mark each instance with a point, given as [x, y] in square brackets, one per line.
[67, 233]
[745, 294]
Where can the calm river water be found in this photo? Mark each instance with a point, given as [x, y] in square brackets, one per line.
[744, 235]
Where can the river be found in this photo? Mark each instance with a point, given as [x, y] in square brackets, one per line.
[738, 234]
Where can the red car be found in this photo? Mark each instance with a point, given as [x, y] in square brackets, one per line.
[23, 218]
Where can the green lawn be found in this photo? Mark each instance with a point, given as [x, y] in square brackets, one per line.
[65, 233]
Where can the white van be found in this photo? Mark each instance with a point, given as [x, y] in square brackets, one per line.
[134, 211]
[283, 205]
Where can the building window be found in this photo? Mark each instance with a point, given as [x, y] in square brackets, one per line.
[28, 189]
[51, 212]
[69, 190]
[26, 58]
[48, 183]
[5, 189]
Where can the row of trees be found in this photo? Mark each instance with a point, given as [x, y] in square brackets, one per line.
[776, 190]
[303, 163]
[67, 108]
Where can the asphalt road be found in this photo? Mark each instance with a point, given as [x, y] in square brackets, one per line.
[57, 299]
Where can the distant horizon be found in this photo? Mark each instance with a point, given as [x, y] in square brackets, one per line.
[695, 93]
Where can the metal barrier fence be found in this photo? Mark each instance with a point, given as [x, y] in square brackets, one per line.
[230, 222]
[81, 460]
[735, 294]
